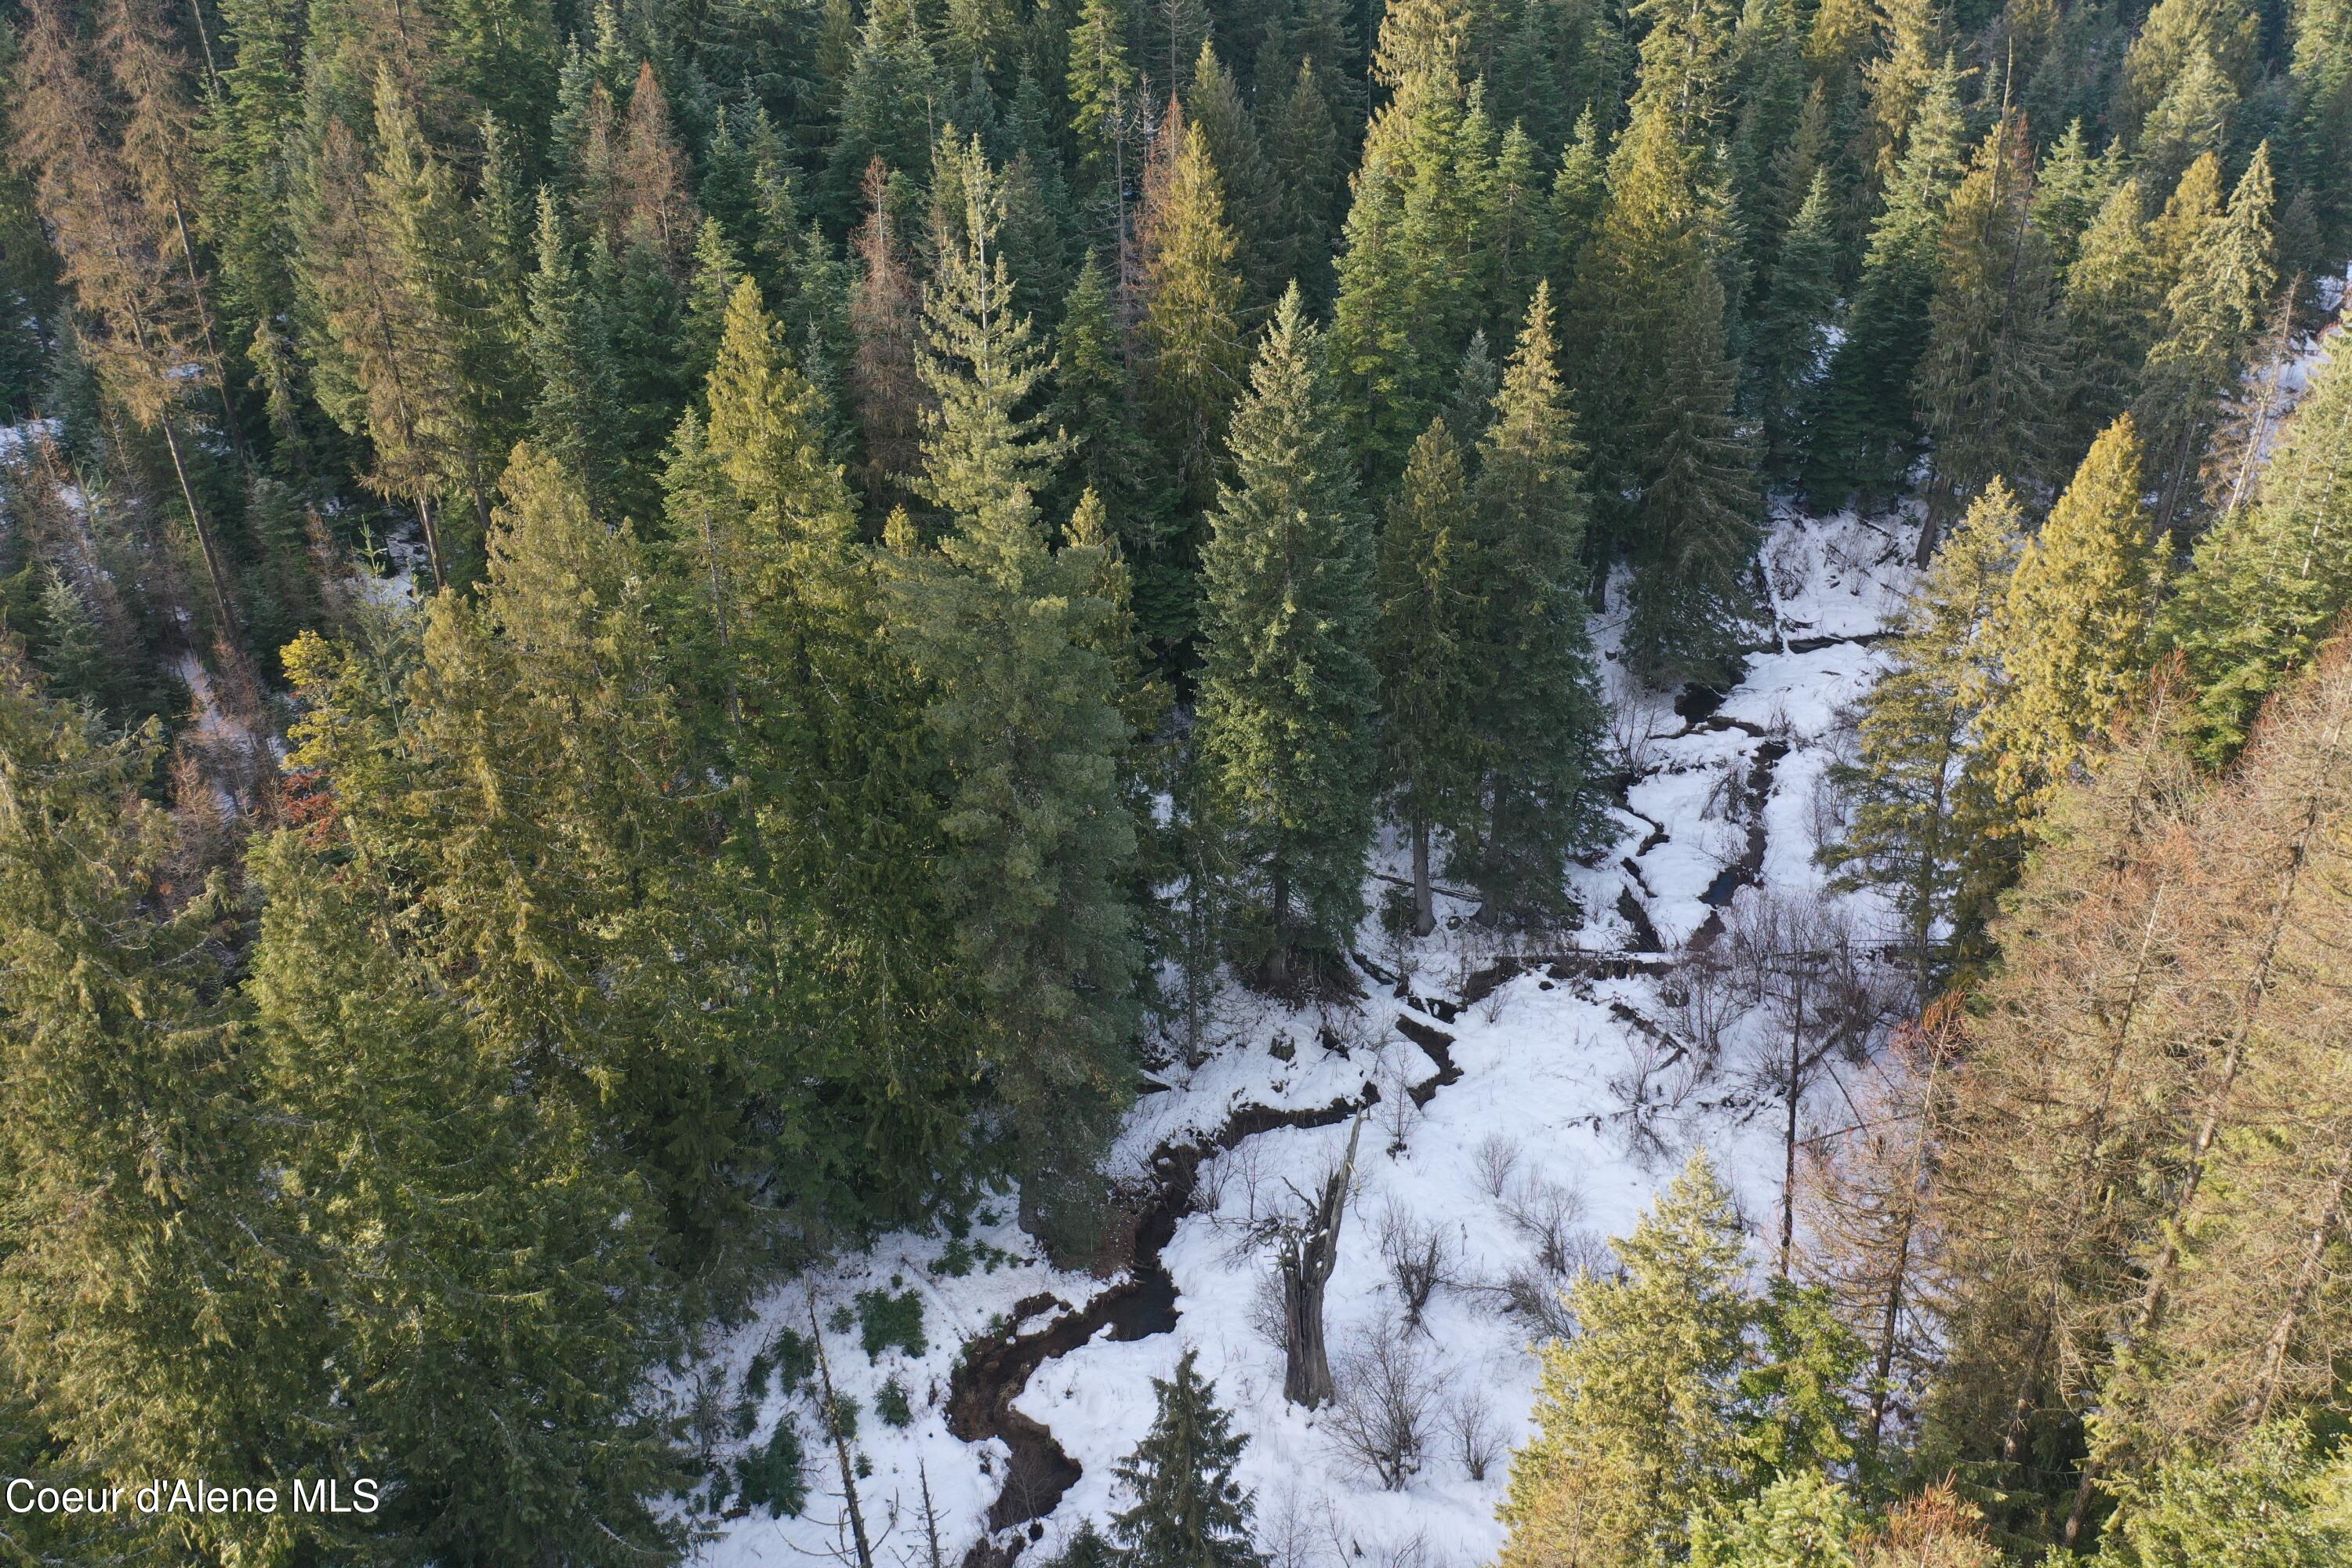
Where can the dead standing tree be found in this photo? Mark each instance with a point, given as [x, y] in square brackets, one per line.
[1306, 1247]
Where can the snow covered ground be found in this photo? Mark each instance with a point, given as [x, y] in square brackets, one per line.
[1551, 1064]
[1558, 1104]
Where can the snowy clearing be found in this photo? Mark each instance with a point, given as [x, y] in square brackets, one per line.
[1565, 1116]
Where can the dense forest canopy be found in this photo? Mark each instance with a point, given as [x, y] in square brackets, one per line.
[638, 641]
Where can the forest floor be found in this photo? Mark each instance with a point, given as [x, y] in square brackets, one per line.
[1555, 1089]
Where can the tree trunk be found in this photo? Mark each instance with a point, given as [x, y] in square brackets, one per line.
[431, 541]
[2306, 1278]
[1424, 907]
[1306, 1261]
[831, 1413]
[1277, 967]
[1789, 1141]
[214, 574]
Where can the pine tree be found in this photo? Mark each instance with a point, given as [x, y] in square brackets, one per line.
[1253, 201]
[1696, 524]
[1190, 299]
[2111, 302]
[1100, 90]
[407, 352]
[2069, 189]
[786, 669]
[1287, 692]
[1011, 640]
[1636, 1417]
[2211, 319]
[1409, 293]
[1802, 1519]
[2270, 580]
[72, 654]
[126, 1157]
[431, 1196]
[1309, 172]
[1786, 347]
[1986, 384]
[1864, 439]
[884, 106]
[1188, 1510]
[1538, 746]
[572, 419]
[244, 216]
[1424, 649]
[1917, 796]
[2262, 1501]
[2072, 629]
[1096, 410]
[1579, 189]
[981, 443]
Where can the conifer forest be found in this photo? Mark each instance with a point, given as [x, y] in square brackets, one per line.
[1175, 784]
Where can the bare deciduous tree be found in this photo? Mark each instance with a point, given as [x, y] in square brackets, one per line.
[1497, 1159]
[1546, 1212]
[1477, 1436]
[1387, 1395]
[1419, 1256]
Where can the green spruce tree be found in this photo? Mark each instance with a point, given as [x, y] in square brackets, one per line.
[2270, 579]
[2071, 631]
[1425, 646]
[1188, 1510]
[1535, 703]
[1287, 692]
[1917, 794]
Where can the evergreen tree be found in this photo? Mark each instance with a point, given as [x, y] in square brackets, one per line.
[1802, 1519]
[430, 1197]
[2072, 629]
[1786, 347]
[1011, 640]
[1985, 382]
[1252, 201]
[2111, 302]
[1653, 249]
[885, 104]
[1100, 90]
[1409, 293]
[787, 674]
[571, 418]
[1287, 692]
[1863, 440]
[1111, 457]
[2270, 580]
[1917, 796]
[982, 442]
[1309, 172]
[144, 1290]
[2069, 189]
[1188, 1510]
[1540, 744]
[1190, 292]
[2211, 319]
[1637, 1415]
[2264, 1502]
[1696, 524]
[408, 351]
[1425, 648]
